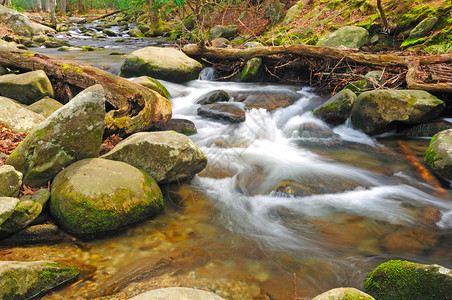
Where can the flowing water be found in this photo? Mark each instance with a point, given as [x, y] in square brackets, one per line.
[277, 212]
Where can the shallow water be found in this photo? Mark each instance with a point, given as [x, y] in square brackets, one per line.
[274, 213]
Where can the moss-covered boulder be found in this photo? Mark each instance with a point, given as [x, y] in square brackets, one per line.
[427, 129]
[18, 118]
[28, 209]
[293, 12]
[45, 107]
[166, 156]
[384, 110]
[438, 155]
[213, 97]
[423, 28]
[162, 63]
[72, 133]
[10, 181]
[99, 195]
[25, 280]
[26, 88]
[223, 31]
[136, 32]
[344, 293]
[251, 69]
[400, 280]
[19, 23]
[7, 206]
[153, 84]
[228, 112]
[338, 108]
[347, 36]
[275, 11]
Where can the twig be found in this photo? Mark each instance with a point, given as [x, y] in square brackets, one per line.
[295, 285]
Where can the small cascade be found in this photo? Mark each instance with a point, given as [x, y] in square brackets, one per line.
[207, 74]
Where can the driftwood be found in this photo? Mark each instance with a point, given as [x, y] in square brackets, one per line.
[132, 107]
[413, 63]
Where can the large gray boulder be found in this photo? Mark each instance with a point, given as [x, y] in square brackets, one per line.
[28, 209]
[24, 280]
[26, 88]
[397, 279]
[18, 118]
[4, 45]
[347, 36]
[438, 155]
[7, 206]
[99, 195]
[72, 133]
[384, 110]
[10, 181]
[45, 107]
[161, 63]
[179, 293]
[166, 156]
[338, 108]
[344, 293]
[223, 31]
[19, 23]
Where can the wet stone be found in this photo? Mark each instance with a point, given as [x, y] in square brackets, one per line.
[223, 111]
[213, 97]
[37, 234]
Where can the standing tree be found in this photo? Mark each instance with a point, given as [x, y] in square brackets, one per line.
[384, 21]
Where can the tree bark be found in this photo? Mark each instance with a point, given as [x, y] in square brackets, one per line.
[136, 108]
[52, 12]
[384, 21]
[410, 62]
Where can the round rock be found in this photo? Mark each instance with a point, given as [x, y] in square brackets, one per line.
[98, 195]
[180, 293]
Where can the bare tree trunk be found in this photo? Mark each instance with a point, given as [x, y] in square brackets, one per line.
[8, 2]
[38, 5]
[47, 6]
[384, 21]
[52, 12]
[63, 6]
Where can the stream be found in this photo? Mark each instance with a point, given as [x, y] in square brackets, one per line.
[276, 212]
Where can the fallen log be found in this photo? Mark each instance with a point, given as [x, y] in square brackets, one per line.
[103, 16]
[382, 60]
[131, 107]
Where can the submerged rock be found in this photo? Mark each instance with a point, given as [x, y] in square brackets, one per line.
[266, 100]
[223, 111]
[98, 195]
[438, 155]
[45, 107]
[344, 293]
[26, 88]
[213, 97]
[72, 133]
[338, 108]
[166, 156]
[347, 36]
[10, 181]
[162, 63]
[24, 280]
[18, 118]
[384, 110]
[397, 279]
[179, 293]
[183, 126]
[37, 234]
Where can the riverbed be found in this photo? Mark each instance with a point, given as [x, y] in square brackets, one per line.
[276, 213]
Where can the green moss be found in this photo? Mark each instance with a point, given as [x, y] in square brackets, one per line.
[66, 67]
[28, 54]
[400, 280]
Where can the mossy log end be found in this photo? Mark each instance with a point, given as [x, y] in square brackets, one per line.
[134, 107]
[383, 60]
